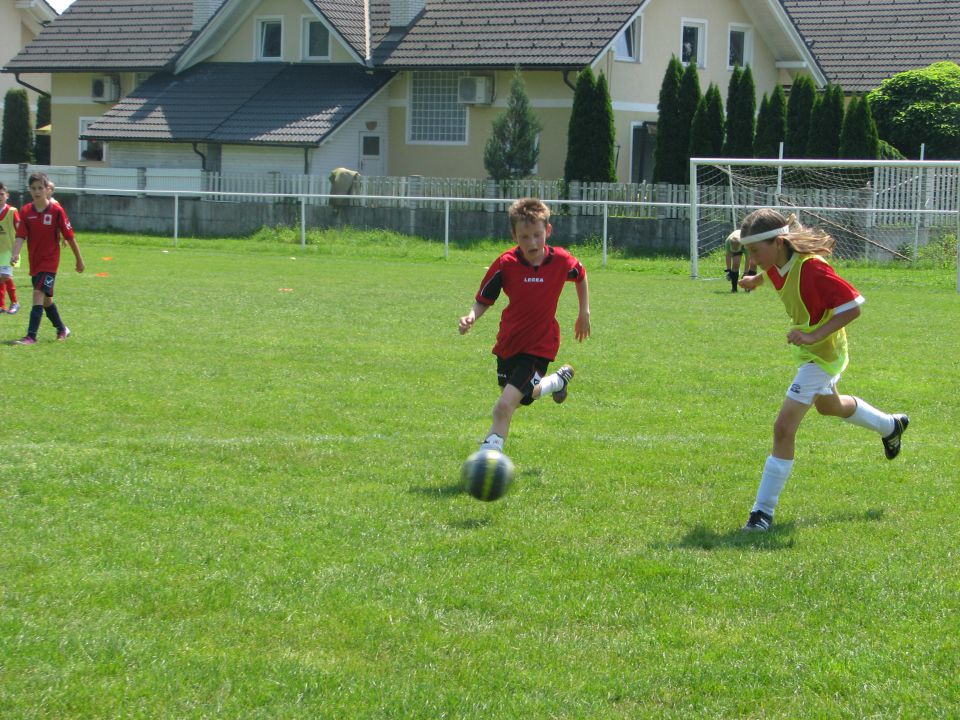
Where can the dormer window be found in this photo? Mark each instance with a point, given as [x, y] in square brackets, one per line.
[626, 48]
[316, 40]
[269, 39]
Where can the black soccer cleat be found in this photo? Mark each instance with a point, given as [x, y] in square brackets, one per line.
[566, 374]
[891, 443]
[758, 521]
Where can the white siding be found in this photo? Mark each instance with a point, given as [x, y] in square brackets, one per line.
[153, 155]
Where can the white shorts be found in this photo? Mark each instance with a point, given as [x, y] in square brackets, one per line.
[811, 380]
[6, 271]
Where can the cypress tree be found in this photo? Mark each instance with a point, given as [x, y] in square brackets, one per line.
[742, 119]
[511, 150]
[859, 139]
[688, 100]
[732, 87]
[799, 107]
[771, 126]
[579, 129]
[41, 143]
[16, 145]
[667, 150]
[706, 132]
[603, 155]
[826, 121]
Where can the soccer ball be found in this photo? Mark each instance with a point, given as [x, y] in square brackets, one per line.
[487, 474]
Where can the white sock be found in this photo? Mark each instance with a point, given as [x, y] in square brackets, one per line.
[869, 417]
[550, 384]
[493, 442]
[775, 473]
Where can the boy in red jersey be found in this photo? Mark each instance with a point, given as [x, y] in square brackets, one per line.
[41, 224]
[820, 305]
[9, 220]
[532, 274]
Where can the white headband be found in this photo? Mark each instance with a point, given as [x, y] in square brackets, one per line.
[765, 235]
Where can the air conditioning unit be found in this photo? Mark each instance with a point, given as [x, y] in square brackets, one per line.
[104, 89]
[475, 90]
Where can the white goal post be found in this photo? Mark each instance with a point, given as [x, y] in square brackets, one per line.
[876, 209]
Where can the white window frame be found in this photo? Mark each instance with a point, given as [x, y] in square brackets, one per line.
[635, 31]
[747, 31]
[306, 22]
[448, 102]
[258, 28]
[84, 145]
[701, 50]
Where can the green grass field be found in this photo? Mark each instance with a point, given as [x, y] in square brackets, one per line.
[234, 492]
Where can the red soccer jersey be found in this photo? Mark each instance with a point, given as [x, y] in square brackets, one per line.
[821, 289]
[42, 229]
[529, 323]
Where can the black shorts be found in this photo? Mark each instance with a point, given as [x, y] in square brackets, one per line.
[44, 281]
[523, 372]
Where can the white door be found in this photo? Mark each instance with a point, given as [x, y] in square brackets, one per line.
[371, 154]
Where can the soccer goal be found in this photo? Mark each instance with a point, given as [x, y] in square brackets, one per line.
[881, 210]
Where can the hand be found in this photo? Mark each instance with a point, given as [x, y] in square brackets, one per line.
[796, 337]
[14, 260]
[80, 265]
[581, 328]
[750, 282]
[466, 322]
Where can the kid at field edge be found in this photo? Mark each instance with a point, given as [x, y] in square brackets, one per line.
[734, 250]
[9, 221]
[532, 274]
[820, 304]
[41, 224]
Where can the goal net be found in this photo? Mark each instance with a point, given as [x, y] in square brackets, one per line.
[880, 210]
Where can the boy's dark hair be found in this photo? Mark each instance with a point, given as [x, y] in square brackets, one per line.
[3, 188]
[42, 177]
[528, 210]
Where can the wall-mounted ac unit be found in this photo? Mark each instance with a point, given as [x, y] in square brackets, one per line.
[475, 90]
[104, 89]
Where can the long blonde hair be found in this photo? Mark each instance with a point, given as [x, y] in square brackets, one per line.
[799, 239]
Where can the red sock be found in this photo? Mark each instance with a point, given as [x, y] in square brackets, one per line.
[12, 289]
[3, 288]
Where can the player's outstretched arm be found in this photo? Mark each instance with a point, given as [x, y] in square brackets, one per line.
[76, 253]
[467, 321]
[581, 327]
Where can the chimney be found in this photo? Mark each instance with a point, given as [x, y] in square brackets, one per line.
[402, 12]
[203, 10]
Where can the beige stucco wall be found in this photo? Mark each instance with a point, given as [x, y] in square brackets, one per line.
[242, 44]
[17, 28]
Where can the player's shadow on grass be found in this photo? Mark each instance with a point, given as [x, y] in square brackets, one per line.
[781, 537]
[701, 537]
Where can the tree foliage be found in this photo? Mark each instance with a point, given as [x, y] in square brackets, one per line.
[799, 108]
[921, 106]
[16, 145]
[826, 122]
[858, 138]
[771, 125]
[668, 154]
[741, 116]
[602, 155]
[580, 128]
[511, 151]
[687, 102]
[706, 131]
[41, 143]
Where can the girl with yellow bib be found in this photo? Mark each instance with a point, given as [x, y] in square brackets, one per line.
[820, 304]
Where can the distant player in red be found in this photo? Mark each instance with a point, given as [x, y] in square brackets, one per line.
[9, 220]
[42, 223]
[532, 274]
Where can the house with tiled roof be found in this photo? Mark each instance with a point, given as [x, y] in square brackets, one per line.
[20, 22]
[399, 87]
[861, 43]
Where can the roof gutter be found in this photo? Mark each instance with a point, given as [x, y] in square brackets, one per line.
[203, 158]
[29, 86]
